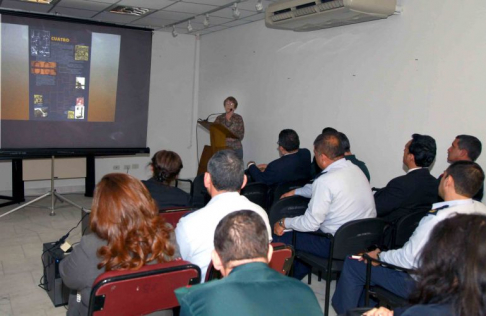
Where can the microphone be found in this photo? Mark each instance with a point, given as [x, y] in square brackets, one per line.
[207, 118]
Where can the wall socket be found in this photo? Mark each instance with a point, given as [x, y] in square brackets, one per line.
[126, 167]
[116, 167]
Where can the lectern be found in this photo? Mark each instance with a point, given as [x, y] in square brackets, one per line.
[218, 134]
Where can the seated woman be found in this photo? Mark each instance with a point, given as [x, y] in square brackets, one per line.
[127, 234]
[451, 279]
[166, 166]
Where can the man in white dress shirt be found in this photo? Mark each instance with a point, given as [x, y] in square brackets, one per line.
[461, 181]
[195, 232]
[339, 194]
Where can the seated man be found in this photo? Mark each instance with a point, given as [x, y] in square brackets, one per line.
[415, 190]
[249, 286]
[341, 193]
[468, 148]
[460, 182]
[293, 164]
[195, 232]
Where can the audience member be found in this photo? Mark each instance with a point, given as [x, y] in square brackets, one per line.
[349, 156]
[468, 148]
[415, 190]
[127, 234]
[166, 166]
[249, 286]
[340, 194]
[293, 164]
[315, 169]
[460, 182]
[451, 279]
[224, 179]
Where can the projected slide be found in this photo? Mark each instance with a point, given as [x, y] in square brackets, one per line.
[72, 85]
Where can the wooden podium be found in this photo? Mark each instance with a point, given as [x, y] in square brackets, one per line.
[218, 134]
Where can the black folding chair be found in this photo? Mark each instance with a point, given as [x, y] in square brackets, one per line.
[277, 191]
[200, 195]
[256, 192]
[288, 207]
[384, 297]
[353, 237]
[405, 227]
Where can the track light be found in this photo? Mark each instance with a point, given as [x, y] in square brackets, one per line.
[174, 32]
[259, 6]
[236, 12]
[189, 26]
[206, 21]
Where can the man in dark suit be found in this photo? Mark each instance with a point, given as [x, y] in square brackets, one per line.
[249, 286]
[415, 190]
[465, 148]
[294, 163]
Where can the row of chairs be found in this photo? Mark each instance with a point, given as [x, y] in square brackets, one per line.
[151, 288]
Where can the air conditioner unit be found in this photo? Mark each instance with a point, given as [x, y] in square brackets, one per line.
[310, 15]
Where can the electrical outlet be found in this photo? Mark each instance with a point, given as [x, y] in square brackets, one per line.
[135, 166]
[117, 167]
[126, 167]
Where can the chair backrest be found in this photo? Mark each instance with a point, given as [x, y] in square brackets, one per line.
[191, 185]
[405, 227]
[173, 215]
[356, 236]
[282, 258]
[143, 291]
[256, 192]
[200, 195]
[286, 187]
[288, 207]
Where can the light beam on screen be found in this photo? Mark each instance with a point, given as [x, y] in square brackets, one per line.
[105, 52]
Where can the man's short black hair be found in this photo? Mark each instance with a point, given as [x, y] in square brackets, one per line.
[423, 149]
[468, 177]
[241, 235]
[326, 130]
[471, 144]
[345, 142]
[226, 170]
[289, 140]
[329, 144]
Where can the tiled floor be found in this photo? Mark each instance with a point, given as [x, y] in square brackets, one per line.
[22, 234]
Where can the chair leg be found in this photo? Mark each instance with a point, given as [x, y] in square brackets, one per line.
[309, 278]
[319, 275]
[328, 289]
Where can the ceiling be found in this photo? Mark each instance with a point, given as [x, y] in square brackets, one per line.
[163, 13]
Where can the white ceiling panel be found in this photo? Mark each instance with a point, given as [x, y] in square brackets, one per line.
[192, 8]
[70, 12]
[84, 5]
[26, 6]
[149, 4]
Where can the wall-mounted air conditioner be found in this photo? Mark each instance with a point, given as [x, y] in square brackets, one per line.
[310, 15]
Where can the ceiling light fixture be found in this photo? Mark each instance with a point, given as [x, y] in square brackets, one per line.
[259, 6]
[174, 32]
[236, 12]
[137, 11]
[206, 21]
[189, 26]
[41, 1]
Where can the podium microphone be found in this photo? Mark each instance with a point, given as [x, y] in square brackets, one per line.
[207, 118]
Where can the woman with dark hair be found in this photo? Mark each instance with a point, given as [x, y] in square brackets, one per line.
[234, 123]
[127, 234]
[451, 278]
[166, 166]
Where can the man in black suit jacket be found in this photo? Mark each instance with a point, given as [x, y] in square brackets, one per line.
[418, 189]
[293, 164]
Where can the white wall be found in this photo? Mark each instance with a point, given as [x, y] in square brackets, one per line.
[423, 71]
[171, 108]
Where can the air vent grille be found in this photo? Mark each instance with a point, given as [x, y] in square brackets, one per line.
[331, 5]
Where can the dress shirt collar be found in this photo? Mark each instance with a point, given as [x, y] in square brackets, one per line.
[337, 164]
[413, 169]
[451, 203]
[222, 196]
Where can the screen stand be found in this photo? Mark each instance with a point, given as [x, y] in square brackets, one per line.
[52, 193]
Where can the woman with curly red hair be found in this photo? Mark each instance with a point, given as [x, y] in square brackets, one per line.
[127, 234]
